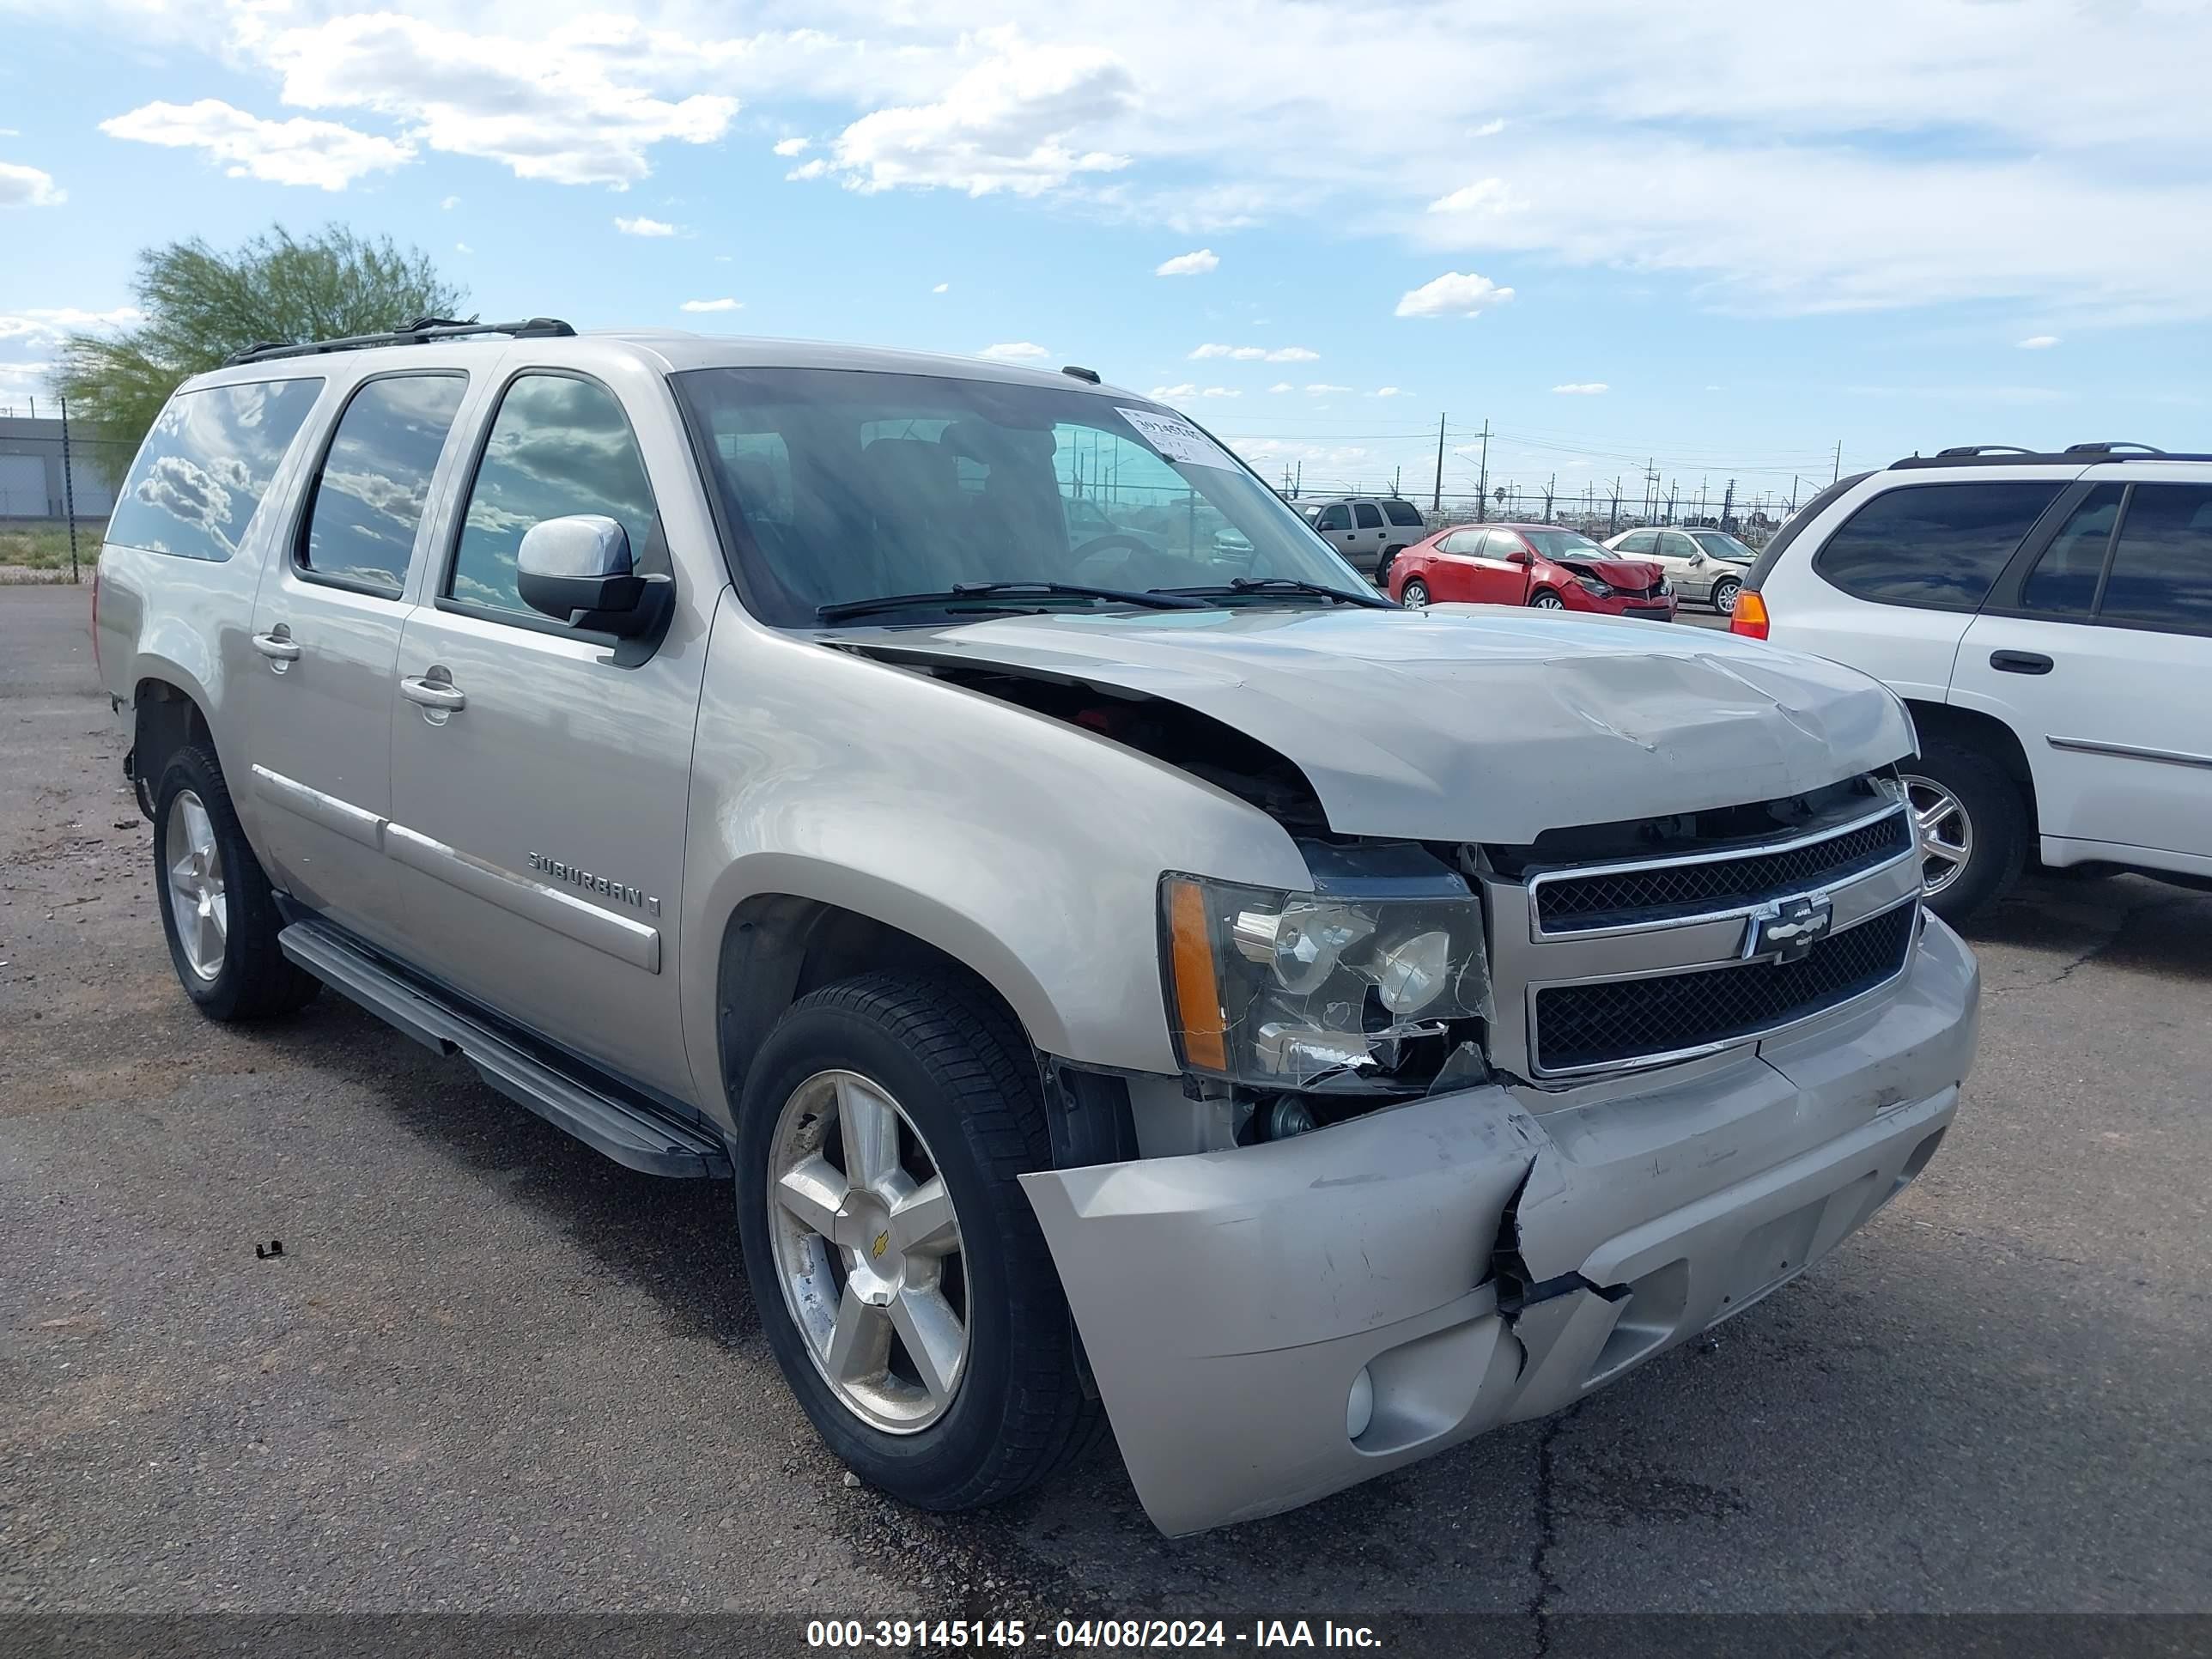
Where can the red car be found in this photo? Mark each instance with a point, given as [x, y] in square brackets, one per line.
[1533, 564]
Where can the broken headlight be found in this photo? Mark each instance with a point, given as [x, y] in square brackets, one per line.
[1281, 990]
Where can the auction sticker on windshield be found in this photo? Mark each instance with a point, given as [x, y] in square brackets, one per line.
[1178, 439]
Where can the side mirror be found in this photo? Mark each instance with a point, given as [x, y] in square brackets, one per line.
[1518, 555]
[577, 570]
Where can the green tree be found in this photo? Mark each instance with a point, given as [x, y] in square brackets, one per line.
[200, 305]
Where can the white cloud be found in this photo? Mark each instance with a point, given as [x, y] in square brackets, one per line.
[573, 104]
[24, 372]
[1489, 129]
[1002, 125]
[1455, 294]
[2038, 343]
[816, 169]
[448, 204]
[1219, 392]
[38, 324]
[790, 146]
[1282, 385]
[644, 227]
[1194, 263]
[463, 247]
[1582, 389]
[941, 287]
[1252, 353]
[1483, 196]
[22, 186]
[321, 155]
[1014, 351]
[1389, 391]
[713, 305]
[1169, 394]
[1321, 389]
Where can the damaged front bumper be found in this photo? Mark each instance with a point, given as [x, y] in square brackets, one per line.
[1479, 1257]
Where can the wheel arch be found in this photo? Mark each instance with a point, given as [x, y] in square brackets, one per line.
[777, 944]
[1970, 728]
[166, 715]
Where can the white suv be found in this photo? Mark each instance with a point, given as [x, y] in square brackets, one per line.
[2048, 620]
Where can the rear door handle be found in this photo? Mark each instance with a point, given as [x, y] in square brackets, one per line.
[433, 694]
[277, 645]
[2020, 662]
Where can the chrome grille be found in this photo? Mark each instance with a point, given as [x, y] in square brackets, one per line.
[1615, 897]
[1605, 1021]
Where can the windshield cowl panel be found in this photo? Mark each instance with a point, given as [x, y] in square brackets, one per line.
[839, 488]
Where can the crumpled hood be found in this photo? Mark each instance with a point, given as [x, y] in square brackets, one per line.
[1621, 573]
[1466, 722]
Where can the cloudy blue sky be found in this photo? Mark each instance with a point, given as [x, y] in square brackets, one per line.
[1724, 238]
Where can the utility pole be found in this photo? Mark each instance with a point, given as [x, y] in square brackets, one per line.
[1671, 491]
[1551, 487]
[68, 490]
[1436, 501]
[1612, 519]
[1482, 493]
[1839, 472]
[1727, 503]
[1301, 488]
[1702, 483]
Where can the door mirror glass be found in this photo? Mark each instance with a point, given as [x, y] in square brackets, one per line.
[577, 569]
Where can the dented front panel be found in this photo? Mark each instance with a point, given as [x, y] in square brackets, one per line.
[1484, 1255]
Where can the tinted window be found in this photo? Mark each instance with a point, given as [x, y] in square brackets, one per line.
[559, 445]
[1639, 541]
[2162, 565]
[1364, 516]
[375, 482]
[1335, 516]
[2065, 579]
[1676, 545]
[1936, 545]
[1401, 513]
[204, 467]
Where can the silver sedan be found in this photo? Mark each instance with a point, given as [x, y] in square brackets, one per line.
[1705, 566]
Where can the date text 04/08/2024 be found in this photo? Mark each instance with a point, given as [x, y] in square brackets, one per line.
[1113, 1633]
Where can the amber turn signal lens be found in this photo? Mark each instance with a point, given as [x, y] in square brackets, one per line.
[1197, 994]
[1749, 616]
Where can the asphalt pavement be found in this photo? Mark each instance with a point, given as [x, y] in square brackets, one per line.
[491, 1371]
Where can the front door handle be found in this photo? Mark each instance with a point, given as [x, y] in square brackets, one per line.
[277, 645]
[433, 694]
[2020, 662]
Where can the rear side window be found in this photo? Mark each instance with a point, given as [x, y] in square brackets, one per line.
[1461, 541]
[1639, 541]
[368, 499]
[559, 445]
[1936, 546]
[1402, 513]
[1364, 516]
[2064, 580]
[204, 467]
[2162, 564]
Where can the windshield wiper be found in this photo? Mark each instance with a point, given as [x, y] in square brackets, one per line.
[961, 592]
[1241, 584]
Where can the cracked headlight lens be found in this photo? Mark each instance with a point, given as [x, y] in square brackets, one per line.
[1278, 989]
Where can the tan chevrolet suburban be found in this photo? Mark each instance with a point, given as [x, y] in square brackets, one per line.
[1134, 975]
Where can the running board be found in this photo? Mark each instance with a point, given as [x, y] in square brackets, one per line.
[632, 1131]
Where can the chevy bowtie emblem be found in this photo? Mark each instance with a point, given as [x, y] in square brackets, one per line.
[883, 1242]
[1788, 929]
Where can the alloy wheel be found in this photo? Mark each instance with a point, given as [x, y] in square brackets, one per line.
[198, 904]
[1548, 602]
[867, 1250]
[1947, 833]
[1725, 596]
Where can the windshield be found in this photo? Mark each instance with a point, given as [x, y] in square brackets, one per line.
[1563, 544]
[1721, 546]
[847, 484]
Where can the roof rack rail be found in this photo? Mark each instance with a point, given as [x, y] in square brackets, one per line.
[420, 332]
[2074, 455]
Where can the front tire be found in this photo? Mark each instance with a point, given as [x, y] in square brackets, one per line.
[1723, 595]
[1544, 599]
[217, 910]
[1973, 827]
[901, 1277]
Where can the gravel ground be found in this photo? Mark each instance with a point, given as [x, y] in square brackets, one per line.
[493, 1371]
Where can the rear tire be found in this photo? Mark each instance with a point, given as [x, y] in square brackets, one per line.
[1970, 810]
[1414, 595]
[217, 910]
[963, 1086]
